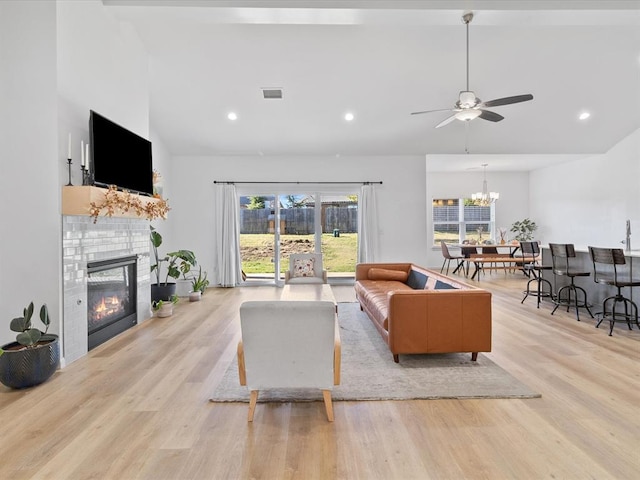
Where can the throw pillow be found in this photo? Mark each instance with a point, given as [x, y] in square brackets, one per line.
[304, 267]
[385, 274]
[417, 280]
[444, 286]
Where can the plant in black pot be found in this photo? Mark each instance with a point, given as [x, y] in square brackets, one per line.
[177, 263]
[34, 356]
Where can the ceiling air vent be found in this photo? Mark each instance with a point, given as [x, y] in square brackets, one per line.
[269, 93]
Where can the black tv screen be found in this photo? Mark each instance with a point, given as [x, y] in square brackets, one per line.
[119, 157]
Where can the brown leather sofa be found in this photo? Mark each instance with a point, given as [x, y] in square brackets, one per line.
[417, 310]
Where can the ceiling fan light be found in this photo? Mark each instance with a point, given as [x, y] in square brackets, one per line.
[468, 114]
[467, 99]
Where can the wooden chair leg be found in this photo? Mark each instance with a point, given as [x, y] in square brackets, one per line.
[328, 405]
[252, 404]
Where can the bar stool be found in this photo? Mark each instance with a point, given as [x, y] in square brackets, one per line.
[560, 255]
[533, 269]
[606, 272]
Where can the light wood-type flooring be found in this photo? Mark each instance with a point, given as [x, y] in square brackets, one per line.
[137, 407]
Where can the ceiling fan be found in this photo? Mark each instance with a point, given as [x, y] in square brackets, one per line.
[468, 105]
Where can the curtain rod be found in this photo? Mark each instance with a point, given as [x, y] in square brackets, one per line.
[233, 182]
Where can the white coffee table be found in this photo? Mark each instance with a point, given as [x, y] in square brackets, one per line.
[309, 292]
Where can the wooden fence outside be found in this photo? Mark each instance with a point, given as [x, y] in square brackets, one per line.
[299, 221]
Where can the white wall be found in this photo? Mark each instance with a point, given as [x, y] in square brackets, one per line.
[59, 60]
[513, 203]
[401, 197]
[30, 237]
[102, 66]
[587, 202]
[162, 164]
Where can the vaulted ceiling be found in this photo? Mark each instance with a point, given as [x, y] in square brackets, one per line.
[382, 60]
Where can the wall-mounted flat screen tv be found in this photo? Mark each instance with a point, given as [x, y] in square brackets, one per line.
[119, 157]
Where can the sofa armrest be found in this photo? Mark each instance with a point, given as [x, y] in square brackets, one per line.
[451, 319]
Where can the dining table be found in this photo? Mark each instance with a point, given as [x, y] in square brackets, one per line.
[467, 250]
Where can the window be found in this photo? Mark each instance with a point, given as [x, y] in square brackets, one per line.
[458, 219]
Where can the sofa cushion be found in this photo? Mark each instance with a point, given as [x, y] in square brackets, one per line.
[385, 274]
[416, 280]
[373, 296]
[444, 286]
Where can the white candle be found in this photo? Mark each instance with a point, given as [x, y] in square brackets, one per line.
[82, 152]
[69, 148]
[87, 156]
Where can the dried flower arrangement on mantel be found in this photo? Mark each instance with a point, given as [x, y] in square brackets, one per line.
[116, 202]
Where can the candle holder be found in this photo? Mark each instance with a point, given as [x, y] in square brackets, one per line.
[85, 175]
[69, 166]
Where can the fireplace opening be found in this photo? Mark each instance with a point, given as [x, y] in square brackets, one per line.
[111, 298]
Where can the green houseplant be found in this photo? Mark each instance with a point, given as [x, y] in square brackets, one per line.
[164, 308]
[198, 285]
[524, 229]
[34, 356]
[177, 263]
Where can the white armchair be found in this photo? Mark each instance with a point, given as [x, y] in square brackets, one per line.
[289, 344]
[305, 268]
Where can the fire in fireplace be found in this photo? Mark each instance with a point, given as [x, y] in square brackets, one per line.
[111, 298]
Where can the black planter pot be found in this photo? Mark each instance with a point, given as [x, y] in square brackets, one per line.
[30, 366]
[162, 291]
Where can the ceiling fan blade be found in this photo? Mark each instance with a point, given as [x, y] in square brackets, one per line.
[491, 116]
[431, 111]
[507, 100]
[446, 121]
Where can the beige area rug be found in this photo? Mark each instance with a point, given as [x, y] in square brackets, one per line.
[369, 372]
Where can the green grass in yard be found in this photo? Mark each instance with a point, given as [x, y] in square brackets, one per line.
[339, 253]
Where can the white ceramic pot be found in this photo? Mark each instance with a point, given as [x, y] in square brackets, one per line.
[183, 287]
[166, 310]
[195, 296]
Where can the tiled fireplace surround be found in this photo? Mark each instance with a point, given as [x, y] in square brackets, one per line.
[82, 242]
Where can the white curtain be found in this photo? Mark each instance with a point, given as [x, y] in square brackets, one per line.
[227, 237]
[367, 225]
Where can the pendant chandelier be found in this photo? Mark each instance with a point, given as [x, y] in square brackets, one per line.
[485, 197]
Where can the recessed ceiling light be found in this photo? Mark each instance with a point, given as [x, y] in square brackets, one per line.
[232, 116]
[349, 116]
[584, 115]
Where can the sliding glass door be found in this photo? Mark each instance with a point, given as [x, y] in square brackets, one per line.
[339, 247]
[274, 224]
[257, 237]
[297, 227]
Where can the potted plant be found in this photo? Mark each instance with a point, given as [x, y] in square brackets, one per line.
[524, 229]
[186, 260]
[198, 285]
[164, 308]
[34, 356]
[178, 262]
